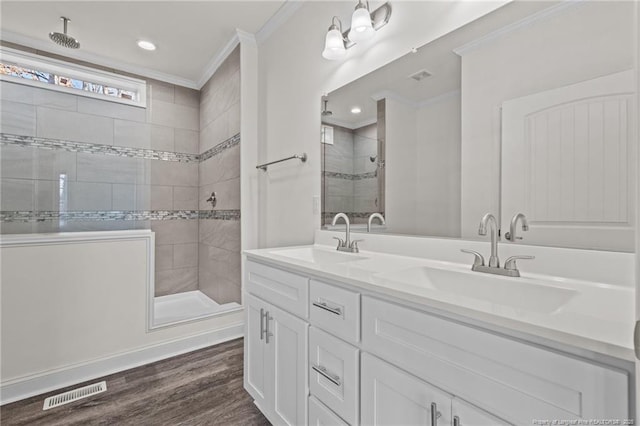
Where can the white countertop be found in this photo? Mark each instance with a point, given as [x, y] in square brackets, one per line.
[598, 317]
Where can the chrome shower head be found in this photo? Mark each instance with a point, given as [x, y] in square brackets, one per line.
[62, 38]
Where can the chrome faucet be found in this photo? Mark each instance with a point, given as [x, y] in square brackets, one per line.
[510, 268]
[375, 216]
[511, 235]
[494, 261]
[346, 244]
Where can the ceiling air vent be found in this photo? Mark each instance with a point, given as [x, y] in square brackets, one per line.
[420, 75]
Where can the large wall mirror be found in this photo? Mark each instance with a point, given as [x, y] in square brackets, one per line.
[530, 109]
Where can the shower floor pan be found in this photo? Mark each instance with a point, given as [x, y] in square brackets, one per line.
[186, 306]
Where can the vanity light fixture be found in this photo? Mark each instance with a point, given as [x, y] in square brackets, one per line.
[364, 25]
[334, 42]
[146, 45]
[356, 110]
[361, 24]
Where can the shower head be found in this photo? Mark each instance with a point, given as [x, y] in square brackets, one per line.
[325, 112]
[64, 39]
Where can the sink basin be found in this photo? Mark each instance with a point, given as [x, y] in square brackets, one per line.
[318, 256]
[517, 293]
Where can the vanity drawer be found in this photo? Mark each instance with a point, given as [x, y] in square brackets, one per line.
[284, 289]
[334, 373]
[335, 310]
[513, 380]
[319, 415]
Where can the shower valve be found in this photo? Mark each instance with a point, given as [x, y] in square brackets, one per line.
[212, 199]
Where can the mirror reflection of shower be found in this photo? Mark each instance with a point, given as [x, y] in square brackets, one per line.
[351, 136]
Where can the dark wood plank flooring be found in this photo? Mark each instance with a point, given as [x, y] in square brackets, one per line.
[199, 388]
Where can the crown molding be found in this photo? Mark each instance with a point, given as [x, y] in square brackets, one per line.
[389, 94]
[347, 125]
[47, 47]
[246, 38]
[501, 32]
[217, 60]
[280, 17]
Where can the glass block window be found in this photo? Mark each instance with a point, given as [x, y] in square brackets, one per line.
[25, 68]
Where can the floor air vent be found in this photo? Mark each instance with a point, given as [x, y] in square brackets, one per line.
[74, 395]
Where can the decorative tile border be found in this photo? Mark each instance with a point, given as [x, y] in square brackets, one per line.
[119, 151]
[328, 216]
[229, 143]
[220, 214]
[140, 215]
[347, 176]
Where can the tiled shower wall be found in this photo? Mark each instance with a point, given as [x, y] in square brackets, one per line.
[72, 163]
[349, 178]
[219, 234]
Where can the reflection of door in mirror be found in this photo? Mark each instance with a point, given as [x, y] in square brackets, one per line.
[352, 163]
[568, 162]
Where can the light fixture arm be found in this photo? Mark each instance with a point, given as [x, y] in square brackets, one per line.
[338, 27]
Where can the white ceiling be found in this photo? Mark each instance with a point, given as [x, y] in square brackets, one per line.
[190, 35]
[437, 57]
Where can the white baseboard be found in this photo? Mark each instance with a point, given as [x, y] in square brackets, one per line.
[26, 387]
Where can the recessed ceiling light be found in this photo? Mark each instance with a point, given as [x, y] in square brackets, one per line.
[146, 45]
[356, 110]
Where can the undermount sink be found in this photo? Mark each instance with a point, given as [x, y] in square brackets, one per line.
[318, 256]
[517, 293]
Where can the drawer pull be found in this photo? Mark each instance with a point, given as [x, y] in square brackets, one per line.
[261, 323]
[456, 421]
[324, 373]
[435, 414]
[323, 305]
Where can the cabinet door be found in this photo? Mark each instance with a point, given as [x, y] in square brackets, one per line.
[465, 414]
[389, 396]
[255, 360]
[287, 353]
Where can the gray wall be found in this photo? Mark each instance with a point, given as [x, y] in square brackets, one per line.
[219, 235]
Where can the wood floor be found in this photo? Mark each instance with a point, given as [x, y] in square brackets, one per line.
[199, 388]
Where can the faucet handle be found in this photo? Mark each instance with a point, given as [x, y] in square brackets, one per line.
[509, 237]
[341, 242]
[478, 260]
[510, 264]
[354, 245]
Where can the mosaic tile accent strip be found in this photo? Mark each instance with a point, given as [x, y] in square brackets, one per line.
[328, 216]
[220, 214]
[231, 142]
[42, 216]
[347, 176]
[120, 151]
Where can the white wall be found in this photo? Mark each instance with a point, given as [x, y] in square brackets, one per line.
[401, 167]
[582, 41]
[293, 76]
[69, 315]
[438, 159]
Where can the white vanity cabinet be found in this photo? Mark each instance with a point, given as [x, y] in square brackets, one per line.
[326, 353]
[392, 397]
[275, 362]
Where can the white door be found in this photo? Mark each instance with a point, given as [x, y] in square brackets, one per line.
[389, 396]
[255, 360]
[465, 414]
[287, 366]
[568, 164]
